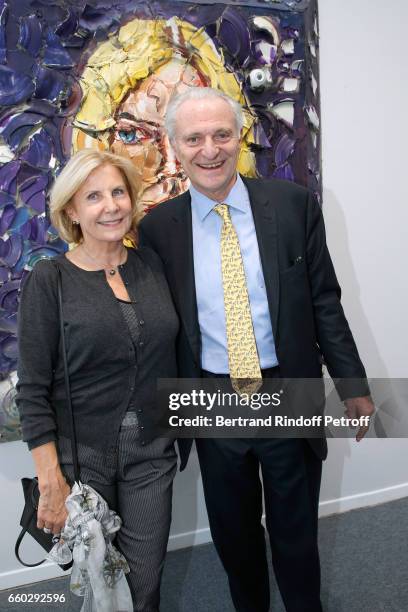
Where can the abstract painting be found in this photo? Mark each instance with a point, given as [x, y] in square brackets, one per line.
[93, 73]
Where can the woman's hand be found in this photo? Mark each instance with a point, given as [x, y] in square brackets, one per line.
[51, 512]
[54, 489]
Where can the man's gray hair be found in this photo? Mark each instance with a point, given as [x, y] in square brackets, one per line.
[199, 93]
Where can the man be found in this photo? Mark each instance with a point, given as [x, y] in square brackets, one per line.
[285, 287]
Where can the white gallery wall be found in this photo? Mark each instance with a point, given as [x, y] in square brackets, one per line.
[364, 97]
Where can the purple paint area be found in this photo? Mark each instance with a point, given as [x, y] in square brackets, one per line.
[8, 323]
[3, 41]
[4, 276]
[11, 251]
[30, 34]
[261, 56]
[8, 177]
[32, 192]
[18, 127]
[7, 218]
[103, 16]
[35, 229]
[68, 27]
[284, 172]
[284, 149]
[9, 296]
[14, 87]
[260, 136]
[49, 84]
[234, 35]
[38, 153]
[55, 55]
[8, 346]
[6, 199]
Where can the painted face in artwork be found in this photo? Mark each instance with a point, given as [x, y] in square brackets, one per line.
[139, 131]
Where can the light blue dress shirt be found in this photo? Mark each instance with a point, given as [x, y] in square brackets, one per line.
[207, 226]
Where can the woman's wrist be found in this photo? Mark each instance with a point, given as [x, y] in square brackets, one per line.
[47, 465]
[50, 477]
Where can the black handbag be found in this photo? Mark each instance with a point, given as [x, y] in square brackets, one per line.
[31, 491]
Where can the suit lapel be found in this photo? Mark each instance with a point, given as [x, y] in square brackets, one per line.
[264, 214]
[183, 271]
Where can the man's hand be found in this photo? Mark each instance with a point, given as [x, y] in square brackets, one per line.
[357, 407]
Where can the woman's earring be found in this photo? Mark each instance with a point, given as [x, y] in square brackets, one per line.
[75, 222]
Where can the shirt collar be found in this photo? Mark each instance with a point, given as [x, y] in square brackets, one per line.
[237, 198]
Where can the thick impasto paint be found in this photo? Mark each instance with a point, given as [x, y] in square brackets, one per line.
[94, 73]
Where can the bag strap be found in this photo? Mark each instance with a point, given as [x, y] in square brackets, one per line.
[66, 377]
[71, 418]
[17, 549]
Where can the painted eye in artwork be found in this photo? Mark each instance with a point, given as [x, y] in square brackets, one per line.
[128, 136]
[136, 135]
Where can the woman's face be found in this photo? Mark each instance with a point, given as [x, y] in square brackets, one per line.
[140, 136]
[102, 206]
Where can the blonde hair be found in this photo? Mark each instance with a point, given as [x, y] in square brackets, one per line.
[139, 48]
[74, 175]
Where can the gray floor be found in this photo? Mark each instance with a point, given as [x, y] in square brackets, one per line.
[364, 555]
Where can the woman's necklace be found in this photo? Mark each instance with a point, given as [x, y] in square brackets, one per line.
[109, 268]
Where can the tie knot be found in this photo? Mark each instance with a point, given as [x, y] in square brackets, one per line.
[223, 211]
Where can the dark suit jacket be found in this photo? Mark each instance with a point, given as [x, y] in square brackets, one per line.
[308, 321]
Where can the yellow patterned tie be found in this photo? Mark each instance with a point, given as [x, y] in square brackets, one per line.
[245, 371]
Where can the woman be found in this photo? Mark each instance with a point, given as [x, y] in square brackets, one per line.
[120, 328]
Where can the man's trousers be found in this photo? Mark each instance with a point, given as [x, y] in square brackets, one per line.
[291, 475]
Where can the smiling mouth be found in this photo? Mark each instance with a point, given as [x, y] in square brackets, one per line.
[213, 166]
[111, 222]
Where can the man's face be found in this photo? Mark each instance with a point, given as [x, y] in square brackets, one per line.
[207, 144]
[140, 135]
